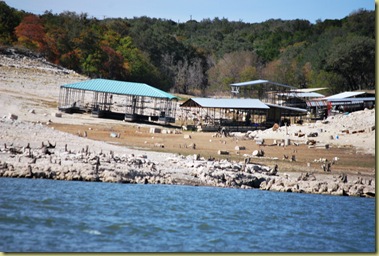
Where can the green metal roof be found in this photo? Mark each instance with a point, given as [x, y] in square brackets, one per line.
[119, 87]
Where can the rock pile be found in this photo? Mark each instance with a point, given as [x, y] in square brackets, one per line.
[51, 162]
[17, 58]
[356, 128]
[308, 183]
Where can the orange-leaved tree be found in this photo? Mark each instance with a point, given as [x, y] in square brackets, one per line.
[30, 33]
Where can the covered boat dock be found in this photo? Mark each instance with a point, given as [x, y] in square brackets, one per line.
[351, 101]
[286, 103]
[284, 115]
[127, 101]
[341, 102]
[210, 114]
[265, 90]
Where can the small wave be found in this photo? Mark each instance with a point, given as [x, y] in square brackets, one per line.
[92, 232]
[204, 227]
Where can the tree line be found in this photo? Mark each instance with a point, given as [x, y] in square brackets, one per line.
[202, 58]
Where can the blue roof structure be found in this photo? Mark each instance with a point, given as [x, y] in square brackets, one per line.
[351, 100]
[302, 95]
[301, 110]
[344, 95]
[309, 89]
[225, 103]
[260, 81]
[119, 87]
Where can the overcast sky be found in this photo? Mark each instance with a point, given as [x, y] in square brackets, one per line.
[250, 11]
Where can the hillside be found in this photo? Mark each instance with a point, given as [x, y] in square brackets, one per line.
[202, 57]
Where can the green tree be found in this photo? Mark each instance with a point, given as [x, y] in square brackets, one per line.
[92, 64]
[353, 58]
[10, 18]
[332, 81]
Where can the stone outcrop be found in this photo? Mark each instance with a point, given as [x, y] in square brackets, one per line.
[51, 162]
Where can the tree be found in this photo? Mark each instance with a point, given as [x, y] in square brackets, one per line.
[189, 76]
[329, 80]
[113, 64]
[361, 22]
[71, 60]
[9, 19]
[353, 58]
[233, 67]
[50, 50]
[92, 64]
[30, 33]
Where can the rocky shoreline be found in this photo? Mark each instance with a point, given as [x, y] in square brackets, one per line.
[58, 161]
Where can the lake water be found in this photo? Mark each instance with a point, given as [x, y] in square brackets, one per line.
[67, 216]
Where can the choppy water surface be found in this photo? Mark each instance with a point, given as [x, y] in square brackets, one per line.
[61, 216]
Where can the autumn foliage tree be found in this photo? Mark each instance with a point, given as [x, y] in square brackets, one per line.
[113, 63]
[31, 34]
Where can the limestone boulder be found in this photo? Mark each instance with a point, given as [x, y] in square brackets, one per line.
[258, 153]
[26, 172]
[39, 174]
[356, 190]
[369, 191]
